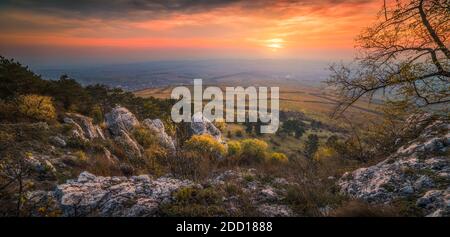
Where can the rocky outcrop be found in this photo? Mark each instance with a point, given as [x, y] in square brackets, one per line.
[41, 165]
[201, 125]
[110, 157]
[131, 148]
[121, 123]
[435, 202]
[90, 195]
[120, 119]
[83, 129]
[58, 141]
[157, 126]
[419, 169]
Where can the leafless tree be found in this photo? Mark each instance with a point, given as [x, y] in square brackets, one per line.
[13, 173]
[405, 54]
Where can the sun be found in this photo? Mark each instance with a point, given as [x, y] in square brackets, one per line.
[274, 44]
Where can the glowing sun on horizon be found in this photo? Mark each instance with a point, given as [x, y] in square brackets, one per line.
[275, 44]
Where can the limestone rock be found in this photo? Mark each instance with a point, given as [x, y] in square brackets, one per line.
[401, 175]
[111, 158]
[92, 195]
[273, 210]
[269, 194]
[121, 119]
[41, 165]
[201, 125]
[58, 141]
[436, 202]
[83, 127]
[131, 147]
[157, 126]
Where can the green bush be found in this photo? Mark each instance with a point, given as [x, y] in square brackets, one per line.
[145, 137]
[191, 201]
[97, 114]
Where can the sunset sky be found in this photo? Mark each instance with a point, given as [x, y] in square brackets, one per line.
[104, 31]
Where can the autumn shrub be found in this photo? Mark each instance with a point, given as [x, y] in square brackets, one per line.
[81, 157]
[205, 146]
[234, 152]
[154, 159]
[154, 153]
[277, 158]
[324, 153]
[253, 150]
[234, 148]
[220, 124]
[36, 107]
[144, 137]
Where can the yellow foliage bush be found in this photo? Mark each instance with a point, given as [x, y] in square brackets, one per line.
[234, 148]
[81, 157]
[324, 153]
[37, 107]
[206, 146]
[277, 157]
[254, 150]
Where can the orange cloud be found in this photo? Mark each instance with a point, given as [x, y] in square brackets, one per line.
[301, 26]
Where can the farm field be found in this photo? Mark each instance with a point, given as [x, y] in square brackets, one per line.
[316, 102]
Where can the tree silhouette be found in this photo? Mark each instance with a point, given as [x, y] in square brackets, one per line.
[405, 54]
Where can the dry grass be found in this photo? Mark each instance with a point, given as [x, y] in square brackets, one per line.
[355, 208]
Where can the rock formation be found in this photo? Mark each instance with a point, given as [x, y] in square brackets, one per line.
[84, 129]
[201, 125]
[121, 119]
[131, 147]
[420, 169]
[90, 195]
[157, 126]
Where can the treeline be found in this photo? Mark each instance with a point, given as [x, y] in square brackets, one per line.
[22, 92]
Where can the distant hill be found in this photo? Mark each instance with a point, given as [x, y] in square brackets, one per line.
[137, 76]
